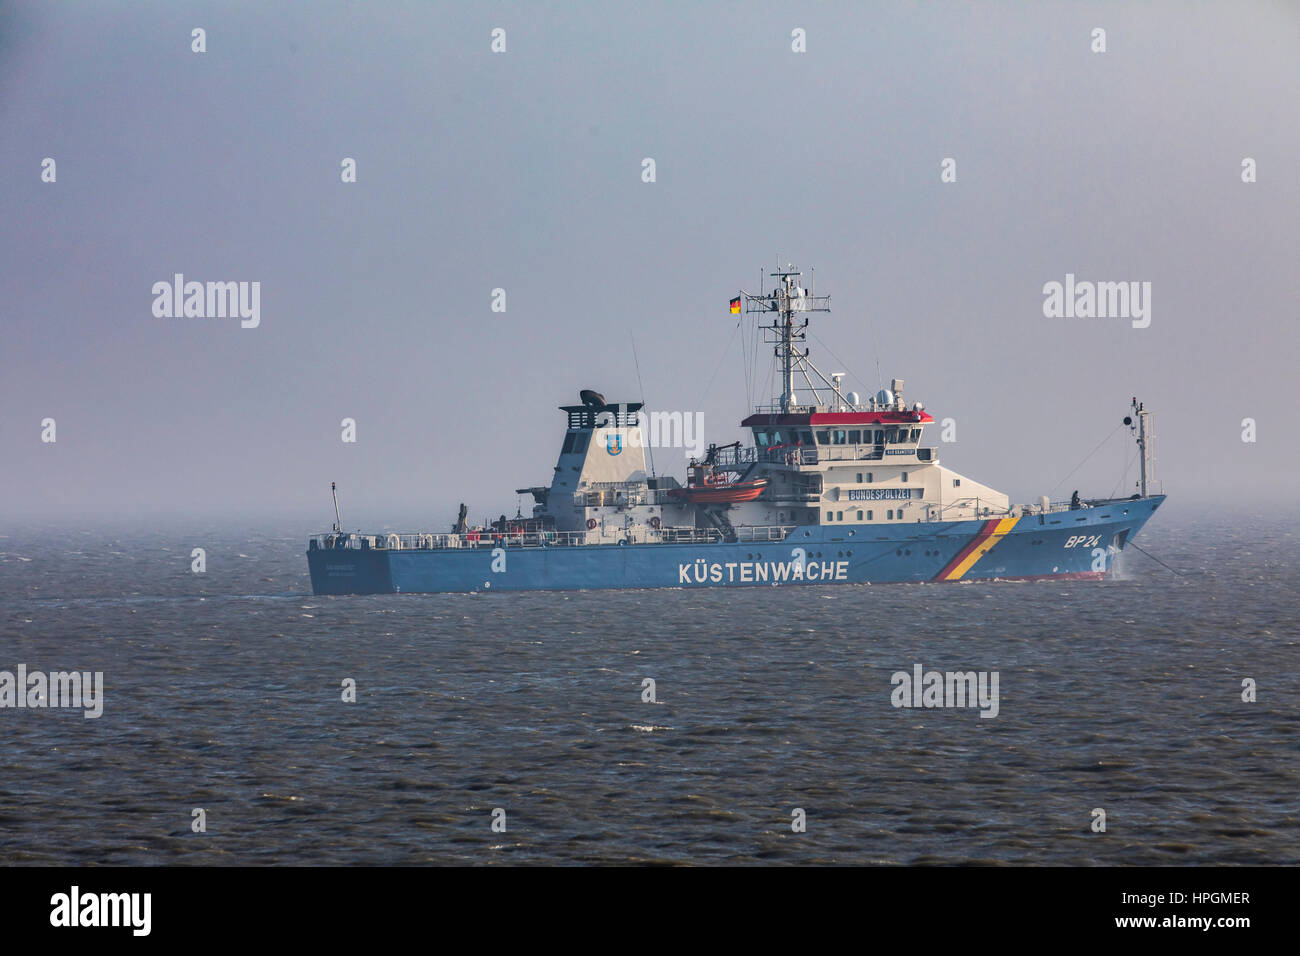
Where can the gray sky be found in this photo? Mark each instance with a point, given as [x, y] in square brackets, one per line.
[522, 170]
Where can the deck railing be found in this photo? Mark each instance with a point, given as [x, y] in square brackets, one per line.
[982, 509]
[863, 408]
[620, 495]
[812, 454]
[426, 541]
[971, 508]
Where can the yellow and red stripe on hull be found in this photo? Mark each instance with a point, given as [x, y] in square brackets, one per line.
[985, 540]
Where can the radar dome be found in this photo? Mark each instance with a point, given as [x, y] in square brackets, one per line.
[853, 398]
[884, 397]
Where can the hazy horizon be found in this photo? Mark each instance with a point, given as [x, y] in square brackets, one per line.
[522, 170]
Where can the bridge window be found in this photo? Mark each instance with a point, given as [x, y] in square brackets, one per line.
[760, 438]
[823, 438]
[916, 434]
[880, 436]
[806, 437]
[839, 436]
[855, 436]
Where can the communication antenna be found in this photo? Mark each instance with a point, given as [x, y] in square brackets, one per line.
[637, 362]
[787, 299]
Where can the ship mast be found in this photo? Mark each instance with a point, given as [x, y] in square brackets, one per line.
[1145, 440]
[787, 299]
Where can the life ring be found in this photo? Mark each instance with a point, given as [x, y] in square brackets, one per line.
[655, 523]
[591, 523]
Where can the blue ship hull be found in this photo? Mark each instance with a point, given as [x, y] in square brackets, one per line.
[1059, 544]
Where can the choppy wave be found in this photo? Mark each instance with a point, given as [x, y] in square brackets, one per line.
[224, 691]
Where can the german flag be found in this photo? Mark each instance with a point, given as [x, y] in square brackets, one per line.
[735, 306]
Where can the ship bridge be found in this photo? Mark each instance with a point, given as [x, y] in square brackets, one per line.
[841, 434]
[836, 457]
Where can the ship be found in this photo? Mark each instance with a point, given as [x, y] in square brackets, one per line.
[829, 488]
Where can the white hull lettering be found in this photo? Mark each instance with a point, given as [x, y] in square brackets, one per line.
[757, 572]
